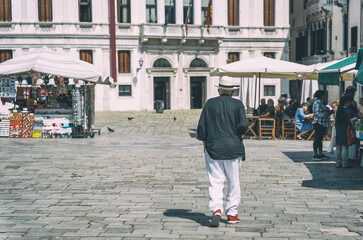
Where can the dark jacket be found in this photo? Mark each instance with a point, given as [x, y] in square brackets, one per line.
[221, 125]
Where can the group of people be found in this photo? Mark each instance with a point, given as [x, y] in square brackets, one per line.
[302, 113]
[223, 121]
[341, 118]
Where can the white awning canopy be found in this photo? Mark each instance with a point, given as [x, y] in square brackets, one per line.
[47, 61]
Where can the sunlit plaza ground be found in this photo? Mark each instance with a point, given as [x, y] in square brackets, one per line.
[147, 180]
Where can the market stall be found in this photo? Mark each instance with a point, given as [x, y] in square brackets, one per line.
[50, 94]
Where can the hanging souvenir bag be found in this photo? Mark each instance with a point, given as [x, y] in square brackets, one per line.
[350, 132]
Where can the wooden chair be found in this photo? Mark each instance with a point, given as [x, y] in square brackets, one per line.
[311, 134]
[288, 127]
[267, 127]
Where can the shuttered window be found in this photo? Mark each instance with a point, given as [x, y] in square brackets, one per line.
[190, 16]
[85, 11]
[124, 62]
[204, 10]
[233, 57]
[269, 12]
[123, 11]
[170, 7]
[86, 55]
[5, 10]
[5, 55]
[233, 10]
[151, 11]
[45, 10]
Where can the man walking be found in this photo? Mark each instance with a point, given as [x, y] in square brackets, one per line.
[221, 125]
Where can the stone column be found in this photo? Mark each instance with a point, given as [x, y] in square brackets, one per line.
[197, 12]
[161, 11]
[219, 13]
[138, 12]
[244, 13]
[179, 12]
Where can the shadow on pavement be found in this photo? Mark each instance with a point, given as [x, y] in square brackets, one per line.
[326, 176]
[200, 218]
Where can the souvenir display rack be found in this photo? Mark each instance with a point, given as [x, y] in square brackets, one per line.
[4, 125]
[43, 110]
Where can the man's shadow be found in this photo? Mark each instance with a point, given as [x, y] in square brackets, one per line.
[200, 218]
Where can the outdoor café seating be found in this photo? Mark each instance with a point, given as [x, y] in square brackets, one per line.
[288, 128]
[267, 127]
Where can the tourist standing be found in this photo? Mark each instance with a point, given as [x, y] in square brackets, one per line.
[221, 125]
[344, 117]
[320, 123]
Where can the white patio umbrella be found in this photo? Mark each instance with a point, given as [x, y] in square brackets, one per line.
[50, 62]
[263, 67]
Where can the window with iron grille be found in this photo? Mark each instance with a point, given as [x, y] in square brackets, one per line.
[269, 12]
[233, 12]
[233, 57]
[124, 62]
[170, 6]
[124, 90]
[45, 10]
[269, 54]
[86, 55]
[5, 55]
[269, 90]
[198, 63]
[189, 14]
[124, 11]
[151, 11]
[85, 10]
[5, 10]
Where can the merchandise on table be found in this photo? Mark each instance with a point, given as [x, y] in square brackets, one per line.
[4, 125]
[28, 124]
[7, 87]
[16, 125]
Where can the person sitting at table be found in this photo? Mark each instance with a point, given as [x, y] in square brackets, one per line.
[303, 121]
[291, 109]
[262, 108]
[270, 110]
[280, 108]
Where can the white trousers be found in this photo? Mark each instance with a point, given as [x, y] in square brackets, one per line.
[217, 171]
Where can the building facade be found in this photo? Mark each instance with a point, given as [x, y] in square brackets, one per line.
[322, 31]
[155, 55]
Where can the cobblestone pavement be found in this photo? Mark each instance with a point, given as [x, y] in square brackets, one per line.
[147, 180]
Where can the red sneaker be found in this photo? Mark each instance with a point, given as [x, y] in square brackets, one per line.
[233, 219]
[217, 215]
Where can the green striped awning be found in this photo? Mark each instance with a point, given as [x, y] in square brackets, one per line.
[331, 74]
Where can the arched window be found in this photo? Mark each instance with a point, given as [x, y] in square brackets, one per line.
[162, 63]
[198, 63]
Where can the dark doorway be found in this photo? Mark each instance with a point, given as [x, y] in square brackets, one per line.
[295, 89]
[197, 92]
[162, 90]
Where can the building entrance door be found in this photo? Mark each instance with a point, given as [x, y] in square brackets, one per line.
[197, 92]
[162, 90]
